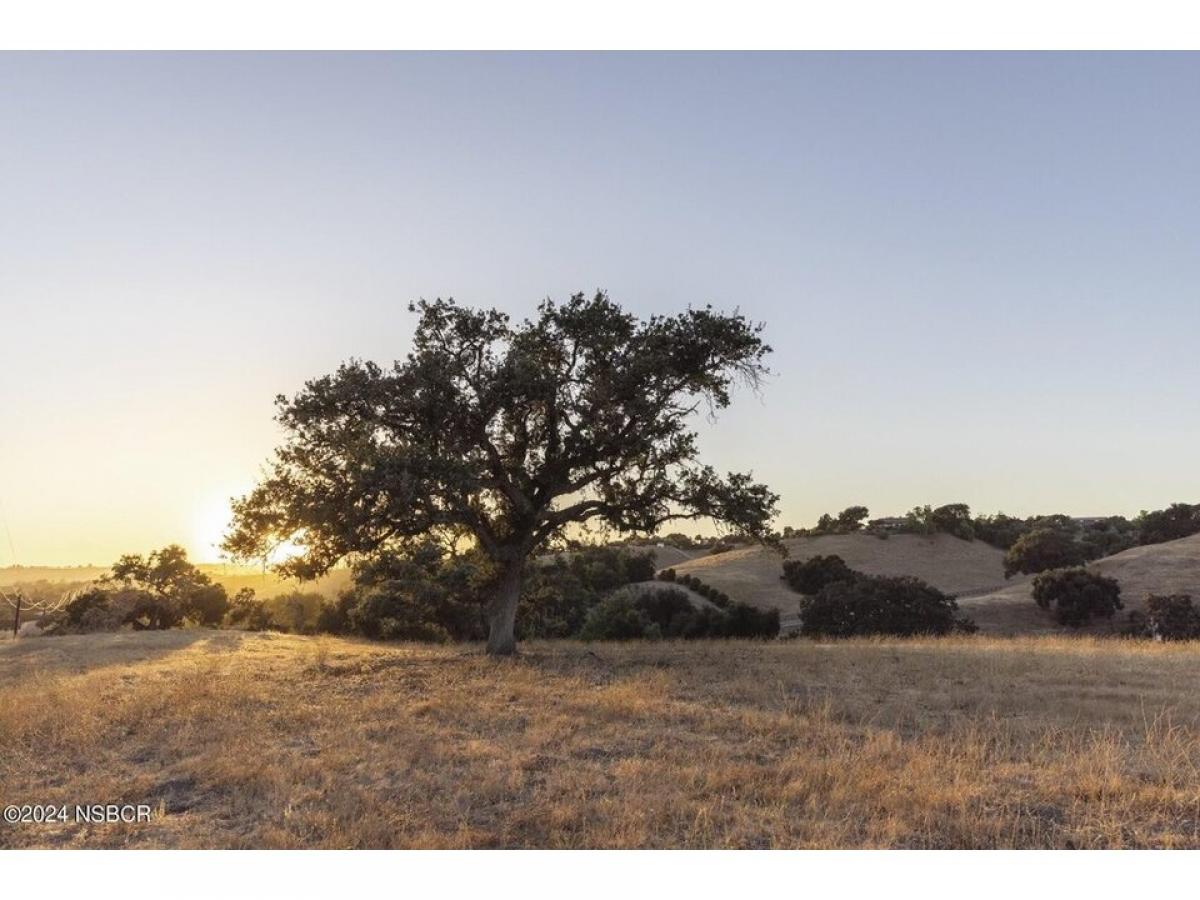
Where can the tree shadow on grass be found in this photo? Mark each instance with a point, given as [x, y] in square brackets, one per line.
[78, 654]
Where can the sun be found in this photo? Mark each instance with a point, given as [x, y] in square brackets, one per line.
[211, 521]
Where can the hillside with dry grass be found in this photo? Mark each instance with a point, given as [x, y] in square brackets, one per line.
[752, 574]
[1169, 568]
[265, 740]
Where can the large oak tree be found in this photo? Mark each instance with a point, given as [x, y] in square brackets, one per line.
[506, 436]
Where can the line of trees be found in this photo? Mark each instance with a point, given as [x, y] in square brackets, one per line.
[1033, 544]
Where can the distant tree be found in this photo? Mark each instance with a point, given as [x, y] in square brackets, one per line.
[679, 539]
[1042, 549]
[919, 520]
[848, 521]
[1076, 595]
[851, 519]
[826, 524]
[172, 589]
[953, 519]
[507, 435]
[1170, 617]
[875, 605]
[1179, 520]
[1107, 536]
[808, 576]
[999, 530]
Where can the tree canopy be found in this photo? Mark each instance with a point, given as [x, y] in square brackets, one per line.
[503, 436]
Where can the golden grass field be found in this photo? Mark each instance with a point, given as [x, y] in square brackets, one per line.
[267, 740]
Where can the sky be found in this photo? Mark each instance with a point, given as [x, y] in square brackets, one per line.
[980, 273]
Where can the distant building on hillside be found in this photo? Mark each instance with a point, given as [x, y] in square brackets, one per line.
[887, 523]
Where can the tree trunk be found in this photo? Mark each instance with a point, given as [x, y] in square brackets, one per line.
[502, 612]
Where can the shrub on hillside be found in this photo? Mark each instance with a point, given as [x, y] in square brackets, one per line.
[669, 613]
[875, 605]
[1168, 617]
[744, 620]
[1042, 549]
[808, 576]
[619, 617]
[1076, 595]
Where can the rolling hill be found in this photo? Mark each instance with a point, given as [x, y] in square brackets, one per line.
[1169, 568]
[752, 574]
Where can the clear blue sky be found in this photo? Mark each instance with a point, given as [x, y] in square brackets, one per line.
[980, 273]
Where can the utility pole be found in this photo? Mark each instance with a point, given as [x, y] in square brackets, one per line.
[17, 614]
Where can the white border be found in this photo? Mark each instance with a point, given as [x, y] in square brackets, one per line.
[897, 875]
[598, 24]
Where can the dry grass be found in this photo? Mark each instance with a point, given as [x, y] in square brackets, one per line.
[276, 741]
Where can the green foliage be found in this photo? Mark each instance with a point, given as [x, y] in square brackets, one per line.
[557, 595]
[162, 590]
[919, 520]
[1168, 617]
[173, 588]
[1107, 536]
[952, 518]
[744, 620]
[618, 618]
[248, 613]
[810, 575]
[423, 595]
[1178, 520]
[868, 605]
[153, 612]
[427, 595]
[296, 612]
[82, 604]
[669, 613]
[1042, 549]
[1076, 595]
[999, 530]
[1099, 537]
[848, 521]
